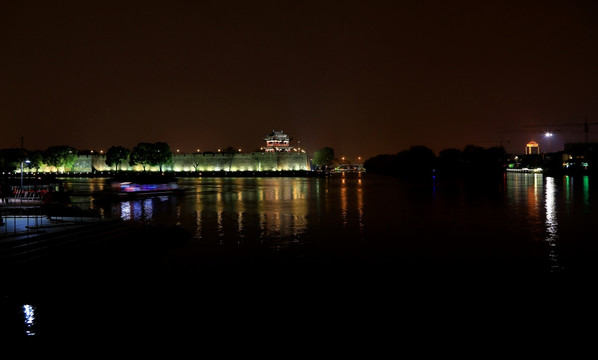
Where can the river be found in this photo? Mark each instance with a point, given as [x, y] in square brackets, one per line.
[333, 252]
[523, 220]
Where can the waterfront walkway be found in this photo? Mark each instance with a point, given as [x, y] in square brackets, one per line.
[28, 226]
[24, 218]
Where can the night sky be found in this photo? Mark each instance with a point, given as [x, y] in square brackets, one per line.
[363, 77]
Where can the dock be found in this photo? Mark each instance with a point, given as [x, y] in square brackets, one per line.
[525, 170]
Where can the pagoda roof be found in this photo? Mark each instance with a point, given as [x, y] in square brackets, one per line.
[277, 134]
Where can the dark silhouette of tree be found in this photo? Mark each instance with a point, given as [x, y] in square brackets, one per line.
[156, 154]
[380, 164]
[229, 150]
[61, 155]
[495, 159]
[449, 162]
[480, 160]
[141, 155]
[10, 159]
[160, 155]
[197, 160]
[417, 162]
[116, 155]
[420, 161]
[473, 157]
[36, 159]
[323, 157]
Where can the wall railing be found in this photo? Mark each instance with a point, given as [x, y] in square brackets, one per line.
[23, 215]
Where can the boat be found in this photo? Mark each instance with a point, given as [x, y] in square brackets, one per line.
[135, 187]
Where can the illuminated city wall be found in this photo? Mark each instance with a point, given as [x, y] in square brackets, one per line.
[257, 161]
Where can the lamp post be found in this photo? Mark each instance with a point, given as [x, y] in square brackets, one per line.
[26, 162]
[548, 135]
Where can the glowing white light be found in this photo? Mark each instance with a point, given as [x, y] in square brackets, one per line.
[29, 313]
[551, 223]
[125, 210]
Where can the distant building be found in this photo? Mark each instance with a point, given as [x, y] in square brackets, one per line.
[581, 156]
[277, 141]
[532, 148]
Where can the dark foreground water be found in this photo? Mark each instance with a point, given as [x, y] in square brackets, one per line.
[346, 264]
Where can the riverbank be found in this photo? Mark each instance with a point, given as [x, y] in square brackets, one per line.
[40, 178]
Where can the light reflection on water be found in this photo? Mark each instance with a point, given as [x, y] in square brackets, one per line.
[525, 192]
[360, 206]
[344, 204]
[540, 200]
[551, 224]
[233, 210]
[230, 207]
[237, 210]
[30, 321]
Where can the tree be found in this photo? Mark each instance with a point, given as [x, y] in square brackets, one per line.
[420, 161]
[161, 155]
[116, 155]
[323, 157]
[380, 164]
[156, 154]
[10, 159]
[229, 150]
[140, 155]
[61, 155]
[416, 163]
[36, 159]
[449, 162]
[197, 160]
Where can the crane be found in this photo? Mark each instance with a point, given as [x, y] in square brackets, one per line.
[585, 124]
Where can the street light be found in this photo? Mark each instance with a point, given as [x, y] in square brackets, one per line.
[26, 162]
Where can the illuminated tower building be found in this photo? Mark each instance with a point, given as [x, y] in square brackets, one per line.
[532, 147]
[277, 141]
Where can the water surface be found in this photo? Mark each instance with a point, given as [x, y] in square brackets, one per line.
[522, 222]
[331, 262]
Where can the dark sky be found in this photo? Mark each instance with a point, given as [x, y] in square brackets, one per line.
[363, 77]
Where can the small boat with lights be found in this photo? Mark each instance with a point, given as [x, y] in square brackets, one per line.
[122, 189]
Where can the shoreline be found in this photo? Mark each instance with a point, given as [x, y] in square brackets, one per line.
[110, 174]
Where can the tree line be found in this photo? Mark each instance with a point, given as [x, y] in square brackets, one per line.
[420, 161]
[62, 155]
[144, 154]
